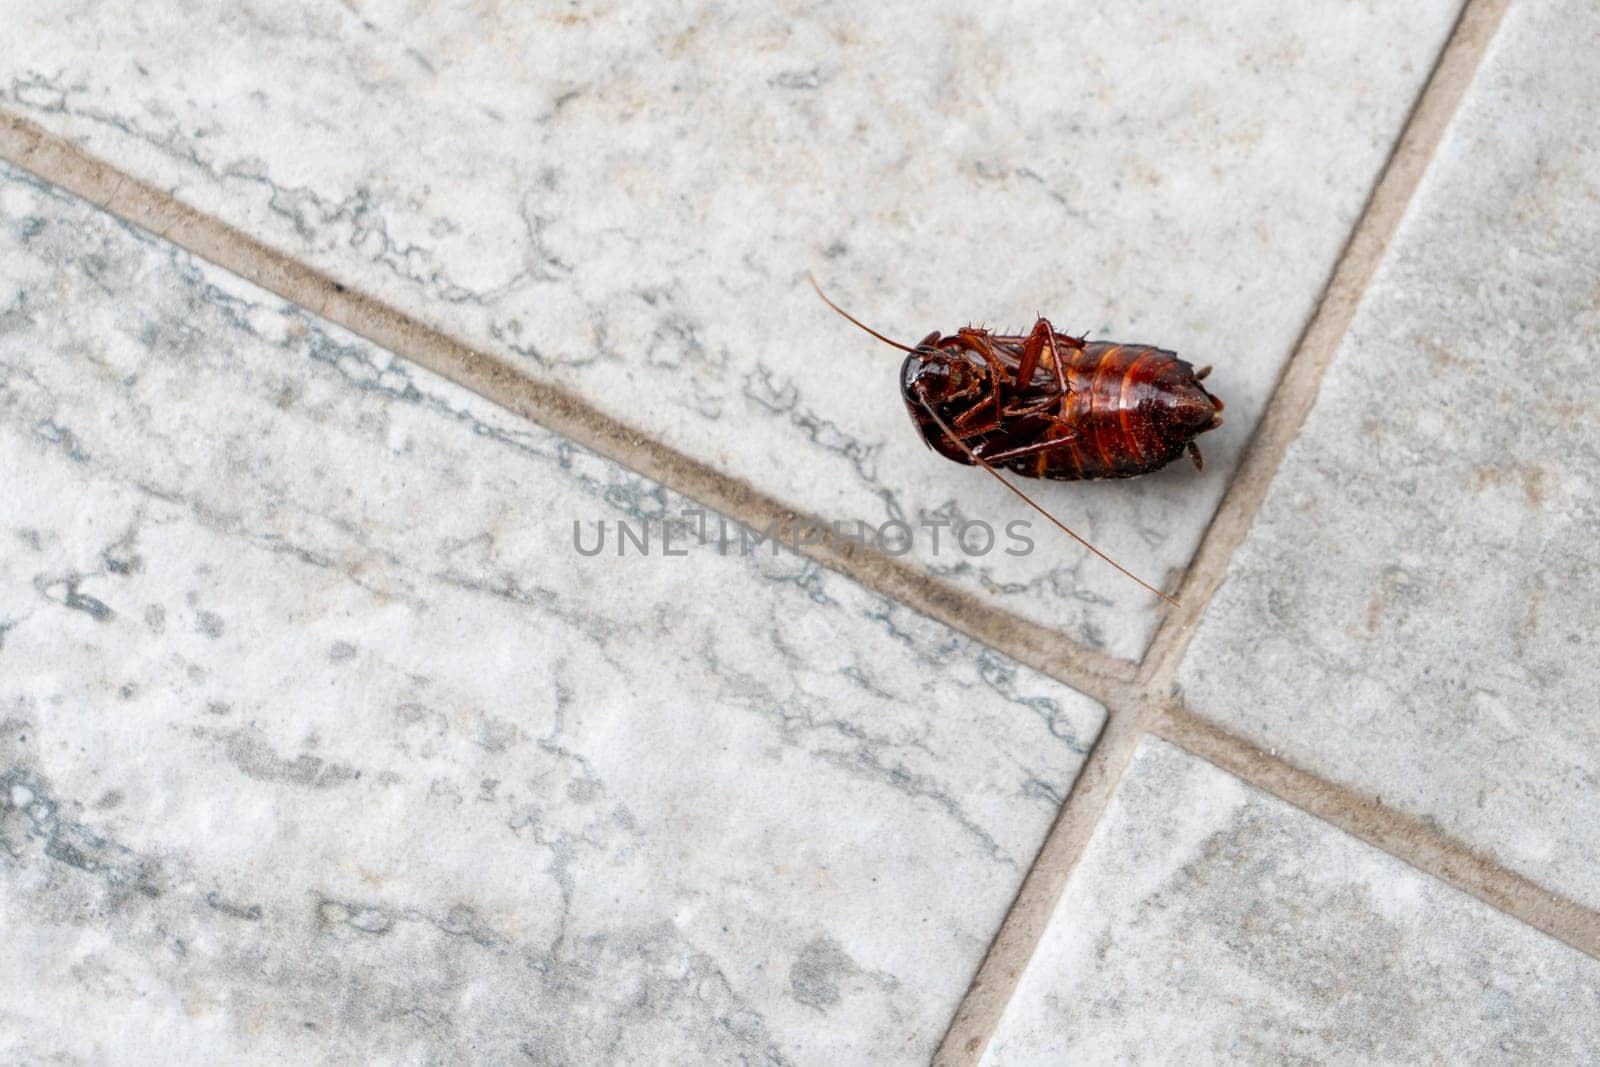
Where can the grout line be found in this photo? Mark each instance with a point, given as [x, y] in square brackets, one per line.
[979, 1014]
[1402, 836]
[1298, 385]
[996, 980]
[57, 161]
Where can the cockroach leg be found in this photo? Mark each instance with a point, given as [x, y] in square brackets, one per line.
[1041, 336]
[1031, 350]
[978, 419]
[1038, 407]
[1194, 454]
[1030, 450]
[978, 341]
[1200, 375]
[968, 421]
[1055, 362]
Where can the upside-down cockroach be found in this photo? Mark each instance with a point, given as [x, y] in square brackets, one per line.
[1049, 405]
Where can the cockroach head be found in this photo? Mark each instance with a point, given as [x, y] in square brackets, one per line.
[933, 376]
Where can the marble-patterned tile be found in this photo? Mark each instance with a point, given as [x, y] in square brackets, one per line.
[319, 739]
[626, 196]
[1413, 614]
[1211, 923]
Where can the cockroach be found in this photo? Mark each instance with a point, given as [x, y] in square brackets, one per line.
[1050, 405]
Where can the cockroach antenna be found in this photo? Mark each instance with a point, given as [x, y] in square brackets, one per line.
[852, 319]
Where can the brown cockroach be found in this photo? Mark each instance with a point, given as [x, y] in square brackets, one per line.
[1049, 405]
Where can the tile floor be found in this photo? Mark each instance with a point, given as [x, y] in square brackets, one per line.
[323, 736]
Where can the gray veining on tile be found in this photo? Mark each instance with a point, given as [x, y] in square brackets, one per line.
[1413, 614]
[1211, 923]
[319, 739]
[626, 197]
